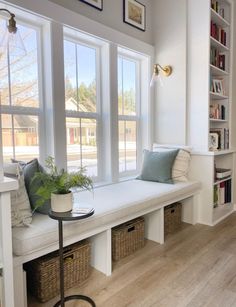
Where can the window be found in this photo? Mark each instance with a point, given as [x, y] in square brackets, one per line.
[81, 103]
[19, 97]
[128, 112]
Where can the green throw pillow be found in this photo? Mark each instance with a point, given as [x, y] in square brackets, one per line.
[157, 166]
[29, 170]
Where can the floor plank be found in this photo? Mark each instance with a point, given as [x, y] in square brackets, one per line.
[195, 267]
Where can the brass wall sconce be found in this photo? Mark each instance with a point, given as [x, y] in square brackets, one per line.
[157, 69]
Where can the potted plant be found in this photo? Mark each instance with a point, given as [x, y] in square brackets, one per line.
[57, 184]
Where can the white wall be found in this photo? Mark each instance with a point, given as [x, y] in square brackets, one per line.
[170, 24]
[112, 16]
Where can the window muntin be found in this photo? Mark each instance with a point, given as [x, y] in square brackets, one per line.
[128, 104]
[81, 103]
[19, 90]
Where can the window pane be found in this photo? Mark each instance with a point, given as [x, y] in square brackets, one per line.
[82, 144]
[126, 86]
[80, 77]
[127, 146]
[70, 76]
[20, 137]
[20, 81]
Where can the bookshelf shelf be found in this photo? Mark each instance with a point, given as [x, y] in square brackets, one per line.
[222, 180]
[216, 96]
[215, 43]
[221, 212]
[217, 71]
[218, 120]
[215, 17]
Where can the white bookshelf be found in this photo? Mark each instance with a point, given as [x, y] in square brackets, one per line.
[203, 69]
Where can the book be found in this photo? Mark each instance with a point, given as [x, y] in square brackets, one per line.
[79, 210]
[222, 193]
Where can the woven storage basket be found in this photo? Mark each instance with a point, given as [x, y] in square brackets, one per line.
[43, 273]
[127, 238]
[172, 218]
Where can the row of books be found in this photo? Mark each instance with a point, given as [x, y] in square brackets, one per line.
[222, 139]
[218, 33]
[216, 7]
[222, 193]
[217, 111]
[217, 59]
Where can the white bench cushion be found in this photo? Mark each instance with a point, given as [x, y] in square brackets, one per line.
[112, 203]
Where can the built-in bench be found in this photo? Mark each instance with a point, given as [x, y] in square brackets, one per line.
[114, 204]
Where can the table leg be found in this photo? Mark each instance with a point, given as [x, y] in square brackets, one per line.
[61, 263]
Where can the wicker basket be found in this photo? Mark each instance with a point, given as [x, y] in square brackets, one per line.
[127, 238]
[43, 273]
[172, 218]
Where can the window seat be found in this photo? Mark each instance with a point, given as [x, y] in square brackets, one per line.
[114, 204]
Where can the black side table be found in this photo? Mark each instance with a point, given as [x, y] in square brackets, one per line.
[60, 217]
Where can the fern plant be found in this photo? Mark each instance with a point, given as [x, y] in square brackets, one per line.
[59, 181]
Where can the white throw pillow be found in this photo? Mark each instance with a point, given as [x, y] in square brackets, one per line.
[182, 162]
[21, 214]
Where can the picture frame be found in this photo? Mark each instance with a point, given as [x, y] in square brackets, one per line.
[213, 141]
[97, 4]
[218, 86]
[134, 14]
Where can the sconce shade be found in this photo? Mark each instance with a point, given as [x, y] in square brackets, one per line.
[11, 40]
[156, 76]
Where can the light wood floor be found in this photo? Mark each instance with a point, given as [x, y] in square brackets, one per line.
[195, 267]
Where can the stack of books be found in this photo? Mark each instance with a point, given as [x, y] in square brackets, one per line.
[218, 33]
[217, 59]
[216, 7]
[222, 193]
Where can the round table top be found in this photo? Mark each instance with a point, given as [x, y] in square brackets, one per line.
[70, 216]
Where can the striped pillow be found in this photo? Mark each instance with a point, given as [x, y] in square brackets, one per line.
[182, 161]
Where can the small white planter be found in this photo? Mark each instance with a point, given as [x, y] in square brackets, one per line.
[61, 202]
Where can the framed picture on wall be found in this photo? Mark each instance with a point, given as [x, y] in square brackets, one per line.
[134, 13]
[98, 4]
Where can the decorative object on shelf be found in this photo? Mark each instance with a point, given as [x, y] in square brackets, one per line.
[222, 173]
[11, 39]
[218, 86]
[97, 4]
[134, 14]
[214, 141]
[166, 71]
[57, 186]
